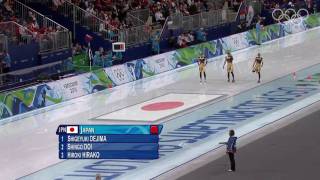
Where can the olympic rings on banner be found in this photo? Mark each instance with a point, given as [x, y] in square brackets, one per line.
[289, 15]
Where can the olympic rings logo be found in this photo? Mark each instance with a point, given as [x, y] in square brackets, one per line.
[290, 15]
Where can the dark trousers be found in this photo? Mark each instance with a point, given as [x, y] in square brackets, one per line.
[232, 161]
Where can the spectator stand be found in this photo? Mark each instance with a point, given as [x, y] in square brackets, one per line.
[131, 30]
[86, 18]
[17, 37]
[136, 35]
[50, 35]
[13, 33]
[27, 42]
[180, 28]
[132, 24]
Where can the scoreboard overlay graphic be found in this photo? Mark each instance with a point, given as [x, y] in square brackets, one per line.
[109, 141]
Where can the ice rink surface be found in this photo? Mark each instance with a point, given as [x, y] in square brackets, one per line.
[289, 151]
[30, 145]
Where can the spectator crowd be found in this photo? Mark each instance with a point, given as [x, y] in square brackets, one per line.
[115, 15]
[114, 12]
[286, 4]
[5, 62]
[27, 27]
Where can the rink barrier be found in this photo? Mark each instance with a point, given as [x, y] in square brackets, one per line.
[44, 95]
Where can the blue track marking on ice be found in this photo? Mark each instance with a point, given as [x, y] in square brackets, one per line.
[240, 137]
[192, 132]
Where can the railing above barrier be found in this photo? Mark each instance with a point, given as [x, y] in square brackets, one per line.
[15, 33]
[135, 21]
[136, 35]
[140, 32]
[141, 14]
[50, 34]
[204, 19]
[53, 41]
[85, 19]
[39, 19]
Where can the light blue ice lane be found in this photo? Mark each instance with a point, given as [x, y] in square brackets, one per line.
[193, 134]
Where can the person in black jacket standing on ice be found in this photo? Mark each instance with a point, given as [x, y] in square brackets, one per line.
[231, 150]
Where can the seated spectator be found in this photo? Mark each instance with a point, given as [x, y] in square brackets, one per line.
[182, 40]
[117, 56]
[101, 50]
[57, 4]
[90, 10]
[107, 31]
[31, 17]
[5, 61]
[159, 17]
[201, 36]
[107, 59]
[59, 29]
[155, 42]
[193, 9]
[8, 7]
[23, 29]
[189, 38]
[97, 59]
[236, 4]
[77, 49]
[184, 9]
[224, 11]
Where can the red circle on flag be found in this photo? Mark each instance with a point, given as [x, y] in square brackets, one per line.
[161, 106]
[72, 129]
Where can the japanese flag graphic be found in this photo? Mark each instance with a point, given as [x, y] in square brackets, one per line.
[72, 129]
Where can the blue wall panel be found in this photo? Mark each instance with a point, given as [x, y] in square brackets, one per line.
[24, 56]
